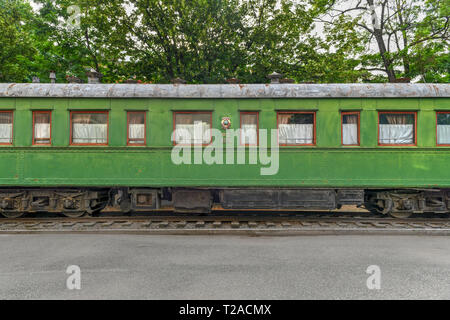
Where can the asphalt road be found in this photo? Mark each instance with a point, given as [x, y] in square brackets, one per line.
[224, 267]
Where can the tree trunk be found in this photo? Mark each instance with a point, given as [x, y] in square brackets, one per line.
[378, 34]
[386, 62]
[406, 65]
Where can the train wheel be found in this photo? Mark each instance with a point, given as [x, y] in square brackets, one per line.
[12, 215]
[75, 214]
[400, 215]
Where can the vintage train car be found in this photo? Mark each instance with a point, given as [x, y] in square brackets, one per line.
[76, 148]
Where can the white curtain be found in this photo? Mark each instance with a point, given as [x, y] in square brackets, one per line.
[90, 133]
[396, 133]
[249, 133]
[296, 133]
[42, 131]
[350, 134]
[136, 132]
[443, 133]
[5, 132]
[197, 133]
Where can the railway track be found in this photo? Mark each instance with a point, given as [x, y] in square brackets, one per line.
[266, 223]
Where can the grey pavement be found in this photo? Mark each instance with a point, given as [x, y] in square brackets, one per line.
[223, 267]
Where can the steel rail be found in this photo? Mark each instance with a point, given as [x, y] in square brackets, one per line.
[238, 225]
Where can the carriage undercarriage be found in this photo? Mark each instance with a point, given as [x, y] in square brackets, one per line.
[76, 202]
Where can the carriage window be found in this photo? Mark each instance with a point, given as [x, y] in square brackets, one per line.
[136, 128]
[192, 127]
[42, 127]
[89, 128]
[397, 128]
[249, 128]
[443, 128]
[296, 128]
[350, 128]
[6, 127]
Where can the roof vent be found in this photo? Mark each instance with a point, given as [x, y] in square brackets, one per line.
[275, 77]
[94, 76]
[179, 81]
[52, 77]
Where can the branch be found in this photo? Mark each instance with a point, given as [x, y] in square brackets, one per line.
[323, 21]
[365, 27]
[435, 35]
[372, 69]
[383, 7]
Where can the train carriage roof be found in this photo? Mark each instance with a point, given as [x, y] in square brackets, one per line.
[224, 91]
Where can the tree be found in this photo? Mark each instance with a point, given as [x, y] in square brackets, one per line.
[16, 45]
[207, 41]
[98, 42]
[276, 36]
[194, 40]
[202, 41]
[399, 29]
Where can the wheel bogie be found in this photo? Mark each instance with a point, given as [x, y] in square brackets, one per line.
[69, 202]
[404, 203]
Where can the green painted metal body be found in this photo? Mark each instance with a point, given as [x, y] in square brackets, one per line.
[328, 164]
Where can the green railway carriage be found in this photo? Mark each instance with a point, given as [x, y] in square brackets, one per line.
[76, 148]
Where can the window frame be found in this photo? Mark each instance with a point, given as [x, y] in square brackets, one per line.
[88, 144]
[192, 112]
[314, 129]
[437, 141]
[128, 129]
[257, 128]
[12, 127]
[396, 144]
[34, 143]
[346, 113]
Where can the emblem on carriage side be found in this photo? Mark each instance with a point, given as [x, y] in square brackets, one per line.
[226, 123]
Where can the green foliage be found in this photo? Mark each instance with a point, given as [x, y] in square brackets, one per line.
[16, 45]
[209, 41]
[98, 43]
